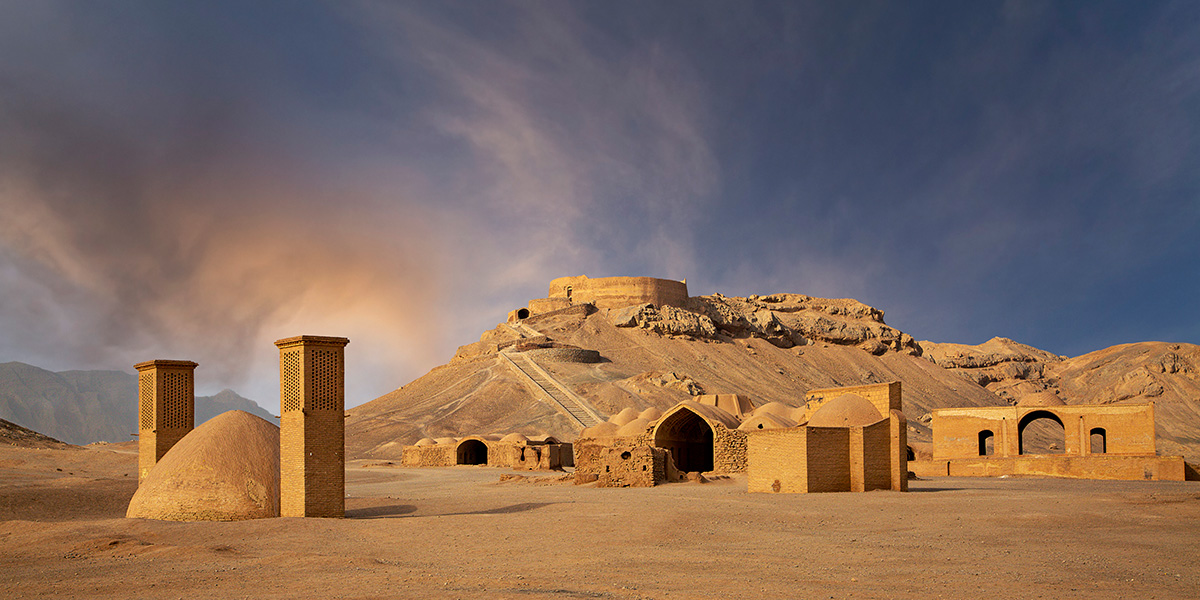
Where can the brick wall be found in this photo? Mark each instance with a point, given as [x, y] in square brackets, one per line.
[828, 459]
[1129, 429]
[312, 442]
[876, 461]
[777, 460]
[166, 408]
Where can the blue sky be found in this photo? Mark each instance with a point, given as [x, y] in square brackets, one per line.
[196, 180]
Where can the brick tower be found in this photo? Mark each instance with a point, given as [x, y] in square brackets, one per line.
[166, 408]
[312, 436]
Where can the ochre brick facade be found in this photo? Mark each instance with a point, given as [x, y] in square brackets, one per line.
[312, 439]
[885, 397]
[1125, 439]
[166, 408]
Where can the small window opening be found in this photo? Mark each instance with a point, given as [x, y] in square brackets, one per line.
[625, 455]
[987, 443]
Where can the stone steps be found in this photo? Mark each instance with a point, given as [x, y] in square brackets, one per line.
[570, 403]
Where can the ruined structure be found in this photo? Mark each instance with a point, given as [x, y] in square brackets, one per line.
[312, 431]
[512, 451]
[605, 292]
[1111, 441]
[836, 442]
[166, 408]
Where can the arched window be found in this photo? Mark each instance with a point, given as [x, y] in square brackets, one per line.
[1041, 432]
[987, 443]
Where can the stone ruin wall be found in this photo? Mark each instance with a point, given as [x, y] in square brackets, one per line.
[567, 355]
[429, 456]
[507, 455]
[729, 450]
[631, 466]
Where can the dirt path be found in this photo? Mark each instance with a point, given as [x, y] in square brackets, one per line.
[460, 533]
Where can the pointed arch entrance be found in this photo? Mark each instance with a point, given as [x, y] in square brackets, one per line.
[689, 437]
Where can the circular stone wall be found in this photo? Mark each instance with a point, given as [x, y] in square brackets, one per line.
[572, 355]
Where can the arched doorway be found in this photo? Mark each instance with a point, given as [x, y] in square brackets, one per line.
[987, 443]
[1041, 432]
[1099, 440]
[522, 313]
[472, 452]
[689, 438]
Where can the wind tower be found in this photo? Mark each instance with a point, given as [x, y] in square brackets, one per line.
[312, 435]
[166, 408]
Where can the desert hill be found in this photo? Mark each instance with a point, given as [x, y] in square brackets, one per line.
[81, 407]
[1165, 373]
[771, 348]
[14, 435]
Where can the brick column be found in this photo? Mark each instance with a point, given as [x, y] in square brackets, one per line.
[312, 435]
[166, 408]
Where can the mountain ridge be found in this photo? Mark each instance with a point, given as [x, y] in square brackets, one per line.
[86, 406]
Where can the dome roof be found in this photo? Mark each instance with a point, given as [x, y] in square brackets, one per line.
[514, 437]
[634, 428]
[224, 470]
[604, 430]
[847, 410]
[778, 409]
[765, 421]
[425, 442]
[650, 414]
[623, 417]
[1041, 399]
[446, 441]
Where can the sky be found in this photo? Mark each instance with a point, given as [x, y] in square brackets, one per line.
[196, 180]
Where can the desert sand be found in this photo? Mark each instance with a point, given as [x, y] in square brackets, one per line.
[462, 532]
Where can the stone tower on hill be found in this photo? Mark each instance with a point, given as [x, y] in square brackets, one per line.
[312, 438]
[166, 408]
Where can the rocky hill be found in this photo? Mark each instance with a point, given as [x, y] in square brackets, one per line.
[771, 348]
[81, 407]
[1167, 374]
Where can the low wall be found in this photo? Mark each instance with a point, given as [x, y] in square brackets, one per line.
[568, 355]
[1165, 468]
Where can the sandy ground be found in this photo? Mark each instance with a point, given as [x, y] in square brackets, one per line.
[461, 533]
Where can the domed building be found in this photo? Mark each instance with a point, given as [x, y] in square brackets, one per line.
[201, 479]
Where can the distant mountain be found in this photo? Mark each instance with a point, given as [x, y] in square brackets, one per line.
[81, 407]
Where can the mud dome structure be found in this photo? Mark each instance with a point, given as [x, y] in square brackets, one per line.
[842, 439]
[605, 292]
[166, 408]
[1094, 441]
[512, 451]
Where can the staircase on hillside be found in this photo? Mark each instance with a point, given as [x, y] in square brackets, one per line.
[571, 404]
[524, 330]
